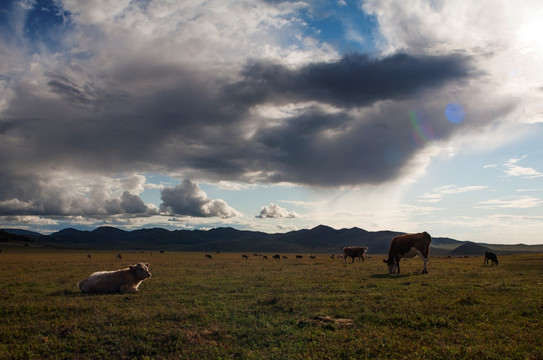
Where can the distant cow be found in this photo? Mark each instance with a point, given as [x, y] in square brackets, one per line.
[265, 257]
[89, 256]
[244, 257]
[354, 251]
[490, 256]
[277, 256]
[209, 257]
[408, 246]
[120, 281]
[119, 256]
[299, 256]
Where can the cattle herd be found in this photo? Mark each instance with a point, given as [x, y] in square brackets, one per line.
[402, 246]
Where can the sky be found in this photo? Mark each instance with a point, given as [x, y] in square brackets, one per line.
[404, 115]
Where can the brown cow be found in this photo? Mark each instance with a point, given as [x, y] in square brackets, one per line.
[408, 246]
[121, 281]
[354, 251]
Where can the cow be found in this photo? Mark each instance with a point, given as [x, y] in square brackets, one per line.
[299, 256]
[209, 257]
[244, 257]
[276, 256]
[408, 246]
[89, 256]
[490, 256]
[119, 256]
[354, 251]
[120, 281]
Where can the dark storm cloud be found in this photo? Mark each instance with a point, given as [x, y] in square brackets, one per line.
[354, 81]
[193, 122]
[85, 94]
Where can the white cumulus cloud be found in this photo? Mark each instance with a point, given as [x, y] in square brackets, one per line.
[188, 199]
[275, 211]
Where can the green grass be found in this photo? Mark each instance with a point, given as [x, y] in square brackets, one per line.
[193, 308]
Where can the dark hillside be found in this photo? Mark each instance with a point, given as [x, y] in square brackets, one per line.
[320, 239]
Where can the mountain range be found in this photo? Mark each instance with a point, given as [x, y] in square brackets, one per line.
[321, 239]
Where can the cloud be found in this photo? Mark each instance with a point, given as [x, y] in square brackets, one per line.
[356, 80]
[520, 203]
[275, 211]
[188, 199]
[513, 170]
[67, 194]
[441, 192]
[179, 88]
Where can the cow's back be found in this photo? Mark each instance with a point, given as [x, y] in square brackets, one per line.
[105, 282]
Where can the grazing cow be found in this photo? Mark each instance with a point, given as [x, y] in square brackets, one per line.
[264, 257]
[244, 257]
[408, 246]
[89, 256]
[209, 257]
[299, 256]
[120, 281]
[119, 256]
[312, 256]
[276, 256]
[284, 257]
[490, 256]
[354, 251]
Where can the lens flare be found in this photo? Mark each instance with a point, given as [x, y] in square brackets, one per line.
[423, 134]
[455, 113]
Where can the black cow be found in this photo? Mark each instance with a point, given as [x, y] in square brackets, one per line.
[490, 256]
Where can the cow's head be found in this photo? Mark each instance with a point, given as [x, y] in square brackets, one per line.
[391, 265]
[140, 271]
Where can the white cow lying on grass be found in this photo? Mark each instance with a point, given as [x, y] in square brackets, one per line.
[121, 281]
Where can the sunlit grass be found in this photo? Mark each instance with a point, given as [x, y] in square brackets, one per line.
[228, 307]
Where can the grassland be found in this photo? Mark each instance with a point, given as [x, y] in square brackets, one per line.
[230, 308]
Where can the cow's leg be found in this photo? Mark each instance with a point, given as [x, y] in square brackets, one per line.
[425, 270]
[128, 289]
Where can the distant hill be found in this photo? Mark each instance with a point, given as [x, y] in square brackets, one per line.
[320, 239]
[14, 238]
[469, 248]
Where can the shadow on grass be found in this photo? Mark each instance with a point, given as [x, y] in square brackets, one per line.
[389, 276]
[66, 292]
